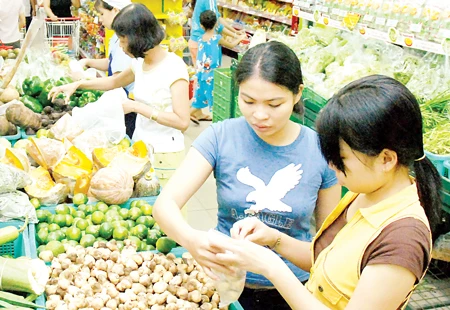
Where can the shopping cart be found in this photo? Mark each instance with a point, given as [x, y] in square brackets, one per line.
[64, 35]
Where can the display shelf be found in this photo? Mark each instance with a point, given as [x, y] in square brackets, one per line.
[393, 36]
[250, 11]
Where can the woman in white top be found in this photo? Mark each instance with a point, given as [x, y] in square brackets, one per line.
[117, 60]
[12, 18]
[160, 87]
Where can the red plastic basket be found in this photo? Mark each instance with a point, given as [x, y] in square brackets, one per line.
[5, 47]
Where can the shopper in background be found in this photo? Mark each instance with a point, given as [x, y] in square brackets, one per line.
[375, 247]
[161, 84]
[30, 11]
[12, 19]
[264, 164]
[197, 31]
[209, 57]
[59, 8]
[117, 60]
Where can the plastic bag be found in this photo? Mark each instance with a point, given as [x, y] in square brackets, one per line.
[441, 248]
[46, 152]
[106, 114]
[12, 179]
[229, 287]
[65, 127]
[90, 140]
[16, 205]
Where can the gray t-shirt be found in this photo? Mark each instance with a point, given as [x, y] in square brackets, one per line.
[281, 182]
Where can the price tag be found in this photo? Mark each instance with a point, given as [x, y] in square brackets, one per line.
[415, 28]
[380, 21]
[392, 23]
[368, 18]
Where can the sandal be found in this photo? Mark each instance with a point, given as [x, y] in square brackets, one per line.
[195, 120]
[206, 118]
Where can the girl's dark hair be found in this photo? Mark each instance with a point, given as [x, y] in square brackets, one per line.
[274, 62]
[102, 4]
[140, 27]
[208, 19]
[376, 113]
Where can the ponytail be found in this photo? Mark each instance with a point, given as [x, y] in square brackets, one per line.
[428, 184]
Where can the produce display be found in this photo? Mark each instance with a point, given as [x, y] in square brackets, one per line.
[102, 276]
[85, 224]
[10, 53]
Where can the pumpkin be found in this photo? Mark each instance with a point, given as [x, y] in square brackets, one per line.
[112, 185]
[46, 152]
[44, 189]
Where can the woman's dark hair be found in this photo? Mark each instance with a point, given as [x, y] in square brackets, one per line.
[376, 113]
[102, 4]
[208, 19]
[274, 62]
[140, 27]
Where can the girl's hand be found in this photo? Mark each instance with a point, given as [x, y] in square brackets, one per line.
[252, 229]
[205, 254]
[67, 90]
[244, 255]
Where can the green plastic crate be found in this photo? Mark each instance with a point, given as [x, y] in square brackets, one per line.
[222, 108]
[438, 161]
[223, 83]
[309, 123]
[295, 117]
[313, 100]
[310, 114]
[19, 247]
[13, 138]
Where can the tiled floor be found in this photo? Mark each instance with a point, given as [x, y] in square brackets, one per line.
[202, 207]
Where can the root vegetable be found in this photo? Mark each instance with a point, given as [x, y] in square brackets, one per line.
[160, 287]
[206, 306]
[123, 285]
[155, 277]
[111, 304]
[177, 280]
[7, 128]
[171, 299]
[161, 298]
[193, 285]
[215, 298]
[172, 289]
[137, 288]
[182, 293]
[205, 299]
[114, 278]
[9, 94]
[195, 296]
[144, 280]
[157, 307]
[118, 269]
[23, 117]
[137, 259]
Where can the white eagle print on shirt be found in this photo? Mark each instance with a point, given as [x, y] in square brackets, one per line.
[269, 197]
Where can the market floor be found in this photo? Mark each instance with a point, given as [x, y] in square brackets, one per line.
[202, 207]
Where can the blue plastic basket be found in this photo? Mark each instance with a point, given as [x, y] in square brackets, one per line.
[13, 138]
[19, 247]
[438, 161]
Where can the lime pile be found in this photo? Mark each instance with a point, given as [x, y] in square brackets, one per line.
[87, 223]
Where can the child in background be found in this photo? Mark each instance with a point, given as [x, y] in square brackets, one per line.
[209, 57]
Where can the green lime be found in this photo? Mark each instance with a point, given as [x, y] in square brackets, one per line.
[72, 210]
[140, 203]
[35, 202]
[135, 213]
[146, 220]
[82, 224]
[97, 217]
[124, 213]
[60, 219]
[79, 199]
[79, 214]
[136, 241]
[165, 245]
[120, 233]
[133, 204]
[41, 236]
[131, 223]
[111, 213]
[90, 209]
[89, 218]
[103, 207]
[56, 247]
[82, 208]
[64, 229]
[41, 215]
[125, 224]
[139, 231]
[106, 230]
[120, 245]
[87, 240]
[62, 209]
[41, 225]
[64, 241]
[55, 236]
[93, 230]
[69, 220]
[72, 242]
[73, 233]
[153, 236]
[147, 209]
[50, 217]
[115, 207]
[147, 247]
[116, 224]
[53, 227]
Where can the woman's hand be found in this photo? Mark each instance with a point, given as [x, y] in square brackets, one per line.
[54, 18]
[200, 248]
[244, 255]
[252, 229]
[67, 90]
[129, 106]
